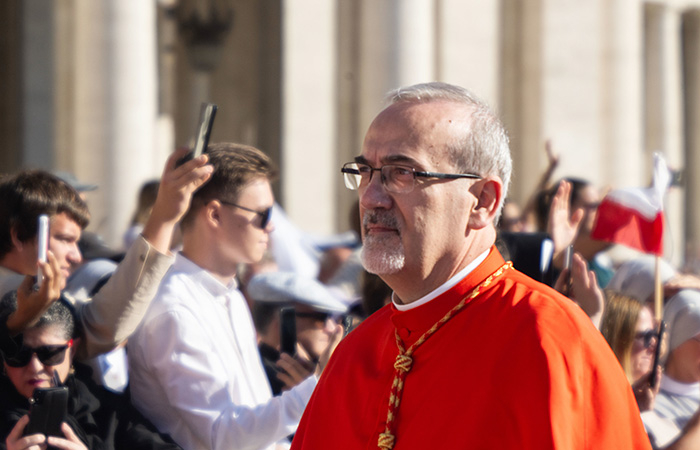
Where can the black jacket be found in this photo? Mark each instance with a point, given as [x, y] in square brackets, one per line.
[102, 419]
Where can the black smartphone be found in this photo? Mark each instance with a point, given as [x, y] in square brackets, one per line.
[47, 411]
[288, 331]
[205, 124]
[653, 379]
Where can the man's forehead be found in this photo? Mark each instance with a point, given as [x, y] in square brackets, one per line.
[63, 222]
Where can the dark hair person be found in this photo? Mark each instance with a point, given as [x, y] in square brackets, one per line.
[96, 418]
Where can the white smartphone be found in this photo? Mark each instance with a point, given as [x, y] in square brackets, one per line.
[43, 244]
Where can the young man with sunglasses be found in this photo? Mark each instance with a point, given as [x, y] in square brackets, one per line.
[194, 366]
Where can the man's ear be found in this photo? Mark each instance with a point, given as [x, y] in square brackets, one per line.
[212, 212]
[16, 242]
[488, 193]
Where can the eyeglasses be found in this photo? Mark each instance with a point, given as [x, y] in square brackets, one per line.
[395, 178]
[264, 215]
[49, 355]
[646, 337]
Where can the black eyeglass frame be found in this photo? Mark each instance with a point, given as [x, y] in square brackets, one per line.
[346, 170]
[646, 337]
[264, 215]
[45, 353]
[318, 316]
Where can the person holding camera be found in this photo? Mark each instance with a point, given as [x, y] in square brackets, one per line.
[312, 311]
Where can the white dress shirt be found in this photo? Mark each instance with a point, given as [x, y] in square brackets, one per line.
[196, 372]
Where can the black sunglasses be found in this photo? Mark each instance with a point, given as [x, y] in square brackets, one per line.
[264, 215]
[646, 337]
[49, 355]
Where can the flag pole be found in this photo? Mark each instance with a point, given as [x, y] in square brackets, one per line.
[658, 290]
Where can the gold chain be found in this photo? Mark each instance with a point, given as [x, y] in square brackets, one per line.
[404, 360]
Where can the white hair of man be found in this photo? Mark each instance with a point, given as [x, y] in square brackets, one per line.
[483, 147]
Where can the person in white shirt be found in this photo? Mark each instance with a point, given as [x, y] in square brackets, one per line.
[194, 367]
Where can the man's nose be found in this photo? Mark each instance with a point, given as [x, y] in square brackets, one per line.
[74, 256]
[374, 195]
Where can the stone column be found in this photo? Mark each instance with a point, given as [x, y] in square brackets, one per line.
[521, 86]
[116, 107]
[37, 83]
[468, 46]
[662, 118]
[691, 72]
[623, 162]
[398, 40]
[309, 92]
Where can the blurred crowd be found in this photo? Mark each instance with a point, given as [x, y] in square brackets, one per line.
[213, 325]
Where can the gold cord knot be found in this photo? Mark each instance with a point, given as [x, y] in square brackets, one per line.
[403, 363]
[386, 441]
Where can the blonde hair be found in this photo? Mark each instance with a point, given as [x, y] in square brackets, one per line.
[619, 326]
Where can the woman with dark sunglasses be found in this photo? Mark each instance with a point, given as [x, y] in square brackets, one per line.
[41, 357]
[629, 327]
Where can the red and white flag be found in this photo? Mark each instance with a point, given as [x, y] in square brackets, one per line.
[634, 216]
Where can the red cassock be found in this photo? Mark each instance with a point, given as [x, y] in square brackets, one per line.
[520, 367]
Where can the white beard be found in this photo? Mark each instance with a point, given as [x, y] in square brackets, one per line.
[383, 255]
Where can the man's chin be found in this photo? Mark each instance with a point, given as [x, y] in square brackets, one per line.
[383, 263]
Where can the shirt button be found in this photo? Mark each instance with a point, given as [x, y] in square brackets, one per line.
[404, 333]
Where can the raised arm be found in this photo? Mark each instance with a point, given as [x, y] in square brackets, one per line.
[117, 309]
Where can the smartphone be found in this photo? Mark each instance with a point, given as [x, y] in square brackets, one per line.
[288, 331]
[568, 257]
[47, 411]
[205, 124]
[42, 244]
[657, 355]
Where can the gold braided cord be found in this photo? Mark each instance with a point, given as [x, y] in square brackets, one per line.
[404, 361]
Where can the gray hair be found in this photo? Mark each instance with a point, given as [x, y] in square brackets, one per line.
[483, 147]
[60, 314]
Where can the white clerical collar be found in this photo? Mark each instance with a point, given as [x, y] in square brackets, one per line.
[449, 284]
[674, 387]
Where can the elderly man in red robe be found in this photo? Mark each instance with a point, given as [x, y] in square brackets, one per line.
[470, 353]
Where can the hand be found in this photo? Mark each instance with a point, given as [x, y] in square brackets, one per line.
[584, 289]
[562, 225]
[174, 195]
[336, 337]
[71, 442]
[15, 440]
[680, 282]
[294, 370]
[32, 304]
[644, 393]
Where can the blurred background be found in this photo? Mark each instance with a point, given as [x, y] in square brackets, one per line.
[106, 89]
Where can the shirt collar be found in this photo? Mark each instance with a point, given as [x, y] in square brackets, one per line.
[449, 284]
[202, 277]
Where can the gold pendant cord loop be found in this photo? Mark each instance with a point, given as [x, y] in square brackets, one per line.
[404, 359]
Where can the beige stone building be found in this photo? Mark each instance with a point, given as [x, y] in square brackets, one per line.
[107, 88]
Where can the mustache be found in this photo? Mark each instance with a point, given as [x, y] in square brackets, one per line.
[379, 217]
